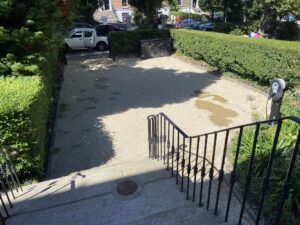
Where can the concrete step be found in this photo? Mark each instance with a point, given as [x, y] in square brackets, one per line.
[90, 197]
[158, 203]
[84, 184]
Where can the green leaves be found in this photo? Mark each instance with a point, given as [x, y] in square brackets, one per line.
[194, 16]
[23, 114]
[128, 42]
[148, 8]
[261, 60]
[31, 33]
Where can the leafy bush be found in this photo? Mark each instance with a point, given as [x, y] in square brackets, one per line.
[282, 158]
[228, 27]
[30, 38]
[261, 60]
[237, 31]
[24, 105]
[193, 16]
[287, 31]
[285, 147]
[128, 42]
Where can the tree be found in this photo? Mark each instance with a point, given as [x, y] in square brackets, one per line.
[272, 10]
[149, 9]
[211, 6]
[232, 10]
[83, 10]
[30, 31]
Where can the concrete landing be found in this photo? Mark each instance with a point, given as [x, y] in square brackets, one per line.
[90, 197]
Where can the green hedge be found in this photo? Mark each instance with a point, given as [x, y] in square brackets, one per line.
[128, 42]
[193, 16]
[24, 106]
[260, 60]
[31, 33]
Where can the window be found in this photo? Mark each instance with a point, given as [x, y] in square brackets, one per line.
[78, 34]
[179, 2]
[88, 34]
[124, 3]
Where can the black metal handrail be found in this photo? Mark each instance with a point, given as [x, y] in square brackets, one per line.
[171, 144]
[9, 179]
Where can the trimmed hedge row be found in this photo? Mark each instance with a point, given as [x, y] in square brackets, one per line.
[128, 42]
[25, 103]
[193, 16]
[260, 60]
[24, 106]
[31, 33]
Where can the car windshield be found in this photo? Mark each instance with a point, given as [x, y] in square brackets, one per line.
[71, 32]
[196, 24]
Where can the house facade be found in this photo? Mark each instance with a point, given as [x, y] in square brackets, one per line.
[121, 8]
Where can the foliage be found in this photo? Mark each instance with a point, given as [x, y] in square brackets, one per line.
[148, 8]
[237, 31]
[193, 16]
[128, 42]
[273, 9]
[285, 147]
[261, 60]
[282, 158]
[269, 12]
[24, 104]
[174, 6]
[287, 31]
[83, 10]
[30, 37]
[211, 5]
[245, 27]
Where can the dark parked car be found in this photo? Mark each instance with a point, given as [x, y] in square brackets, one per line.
[103, 30]
[82, 25]
[218, 16]
[193, 25]
[186, 23]
[206, 26]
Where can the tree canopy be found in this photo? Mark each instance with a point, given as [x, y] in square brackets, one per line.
[148, 8]
[267, 11]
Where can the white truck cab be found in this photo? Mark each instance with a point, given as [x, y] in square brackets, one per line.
[86, 38]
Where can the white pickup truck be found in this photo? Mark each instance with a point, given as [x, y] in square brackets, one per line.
[86, 38]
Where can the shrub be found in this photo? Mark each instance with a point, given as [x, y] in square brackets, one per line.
[261, 60]
[287, 31]
[193, 16]
[281, 161]
[30, 37]
[237, 31]
[285, 147]
[228, 27]
[24, 106]
[128, 42]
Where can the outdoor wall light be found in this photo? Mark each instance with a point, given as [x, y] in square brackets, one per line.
[276, 94]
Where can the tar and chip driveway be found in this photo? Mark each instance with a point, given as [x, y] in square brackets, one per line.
[101, 140]
[104, 105]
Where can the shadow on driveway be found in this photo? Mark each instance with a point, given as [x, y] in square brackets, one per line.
[95, 89]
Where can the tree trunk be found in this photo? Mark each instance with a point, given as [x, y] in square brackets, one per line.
[267, 21]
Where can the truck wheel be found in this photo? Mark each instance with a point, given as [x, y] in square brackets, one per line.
[101, 46]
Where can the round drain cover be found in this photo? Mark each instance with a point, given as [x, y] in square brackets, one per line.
[127, 187]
